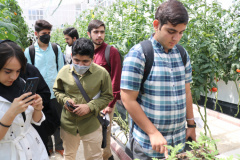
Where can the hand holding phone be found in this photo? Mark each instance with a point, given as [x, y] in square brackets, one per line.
[70, 107]
[31, 85]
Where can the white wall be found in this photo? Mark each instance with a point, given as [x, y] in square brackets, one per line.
[227, 93]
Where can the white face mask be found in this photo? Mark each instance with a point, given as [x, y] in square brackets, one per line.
[81, 69]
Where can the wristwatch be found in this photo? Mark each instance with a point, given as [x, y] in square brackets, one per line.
[191, 125]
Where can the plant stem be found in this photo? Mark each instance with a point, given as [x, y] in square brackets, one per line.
[205, 111]
[206, 125]
[216, 103]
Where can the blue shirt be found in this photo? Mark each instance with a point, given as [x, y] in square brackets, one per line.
[164, 101]
[45, 61]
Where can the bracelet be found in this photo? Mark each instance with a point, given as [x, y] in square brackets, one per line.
[191, 126]
[190, 119]
[7, 126]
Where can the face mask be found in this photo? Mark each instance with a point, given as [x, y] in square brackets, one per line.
[45, 38]
[81, 69]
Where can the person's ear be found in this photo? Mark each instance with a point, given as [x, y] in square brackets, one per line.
[89, 35]
[156, 24]
[74, 39]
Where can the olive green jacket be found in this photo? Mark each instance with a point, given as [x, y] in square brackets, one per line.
[94, 80]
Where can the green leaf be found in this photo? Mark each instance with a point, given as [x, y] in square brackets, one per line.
[8, 26]
[2, 6]
[201, 80]
[207, 71]
[205, 66]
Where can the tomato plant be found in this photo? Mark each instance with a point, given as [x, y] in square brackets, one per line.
[12, 24]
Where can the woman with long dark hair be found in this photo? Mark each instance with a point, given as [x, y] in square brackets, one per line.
[18, 139]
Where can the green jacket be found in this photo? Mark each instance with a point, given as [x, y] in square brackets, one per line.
[94, 80]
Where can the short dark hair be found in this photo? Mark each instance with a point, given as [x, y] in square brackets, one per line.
[95, 24]
[83, 47]
[171, 11]
[41, 25]
[10, 49]
[72, 32]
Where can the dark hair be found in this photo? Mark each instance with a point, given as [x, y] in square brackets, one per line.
[171, 11]
[83, 47]
[95, 24]
[41, 25]
[72, 32]
[9, 49]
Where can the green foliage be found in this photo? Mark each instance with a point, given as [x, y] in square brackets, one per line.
[210, 42]
[212, 36]
[174, 151]
[127, 23]
[123, 123]
[12, 24]
[203, 148]
[58, 37]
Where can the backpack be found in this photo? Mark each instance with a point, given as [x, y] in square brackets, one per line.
[148, 52]
[32, 53]
[107, 55]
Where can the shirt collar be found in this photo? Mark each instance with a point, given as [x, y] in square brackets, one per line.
[158, 45]
[4, 100]
[36, 45]
[100, 48]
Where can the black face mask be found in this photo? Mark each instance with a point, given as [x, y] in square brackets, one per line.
[45, 38]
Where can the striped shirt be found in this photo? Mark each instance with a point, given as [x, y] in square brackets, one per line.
[164, 101]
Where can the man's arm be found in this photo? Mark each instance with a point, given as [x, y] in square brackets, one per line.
[139, 117]
[58, 89]
[189, 110]
[115, 73]
[96, 105]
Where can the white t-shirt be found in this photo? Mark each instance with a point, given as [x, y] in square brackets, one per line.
[68, 52]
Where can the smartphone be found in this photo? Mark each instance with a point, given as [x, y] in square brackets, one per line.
[70, 106]
[31, 85]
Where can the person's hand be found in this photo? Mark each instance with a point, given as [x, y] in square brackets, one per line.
[21, 103]
[81, 109]
[71, 102]
[107, 110]
[191, 133]
[158, 143]
[37, 103]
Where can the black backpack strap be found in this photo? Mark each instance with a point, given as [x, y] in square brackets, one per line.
[148, 52]
[86, 97]
[55, 49]
[107, 54]
[32, 53]
[183, 54]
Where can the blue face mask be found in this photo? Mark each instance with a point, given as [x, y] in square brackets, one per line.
[81, 69]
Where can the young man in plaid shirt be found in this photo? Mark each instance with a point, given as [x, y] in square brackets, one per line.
[160, 114]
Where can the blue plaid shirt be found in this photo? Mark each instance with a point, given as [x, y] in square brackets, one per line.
[164, 101]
